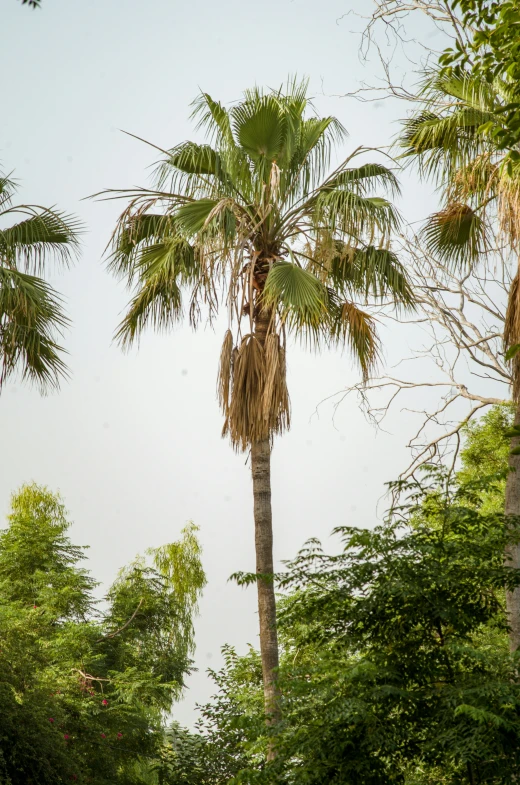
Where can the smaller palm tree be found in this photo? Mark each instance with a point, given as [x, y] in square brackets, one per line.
[31, 313]
[454, 141]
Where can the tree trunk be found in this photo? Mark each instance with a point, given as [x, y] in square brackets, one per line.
[512, 509]
[261, 473]
[261, 470]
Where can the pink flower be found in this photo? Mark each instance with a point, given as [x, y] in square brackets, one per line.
[51, 720]
[103, 736]
[119, 735]
[66, 736]
[104, 702]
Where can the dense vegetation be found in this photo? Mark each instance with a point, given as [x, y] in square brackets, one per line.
[83, 684]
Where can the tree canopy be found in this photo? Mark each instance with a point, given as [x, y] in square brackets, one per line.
[84, 684]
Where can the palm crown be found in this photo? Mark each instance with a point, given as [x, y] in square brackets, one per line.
[31, 313]
[454, 141]
[255, 220]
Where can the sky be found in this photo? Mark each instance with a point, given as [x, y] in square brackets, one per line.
[133, 441]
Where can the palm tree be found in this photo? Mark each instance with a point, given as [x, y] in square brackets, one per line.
[454, 139]
[254, 221]
[31, 314]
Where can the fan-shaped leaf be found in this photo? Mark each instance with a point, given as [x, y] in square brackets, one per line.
[456, 235]
[300, 297]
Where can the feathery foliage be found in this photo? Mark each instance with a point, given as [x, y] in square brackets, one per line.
[83, 693]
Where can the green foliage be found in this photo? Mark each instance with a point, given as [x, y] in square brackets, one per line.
[31, 313]
[229, 737]
[493, 53]
[82, 693]
[395, 665]
[484, 457]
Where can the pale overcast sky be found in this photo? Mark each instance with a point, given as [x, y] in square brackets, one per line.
[133, 441]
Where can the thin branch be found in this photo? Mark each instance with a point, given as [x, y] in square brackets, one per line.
[130, 620]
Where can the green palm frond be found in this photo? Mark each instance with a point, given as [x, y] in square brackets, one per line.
[7, 190]
[369, 272]
[31, 313]
[44, 232]
[135, 233]
[260, 127]
[192, 217]
[457, 235]
[213, 118]
[363, 178]
[162, 269]
[345, 211]
[456, 123]
[31, 317]
[298, 295]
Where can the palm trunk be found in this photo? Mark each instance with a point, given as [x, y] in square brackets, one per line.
[512, 508]
[261, 473]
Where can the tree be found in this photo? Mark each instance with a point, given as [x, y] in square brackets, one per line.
[31, 313]
[82, 693]
[395, 665]
[452, 138]
[411, 629]
[253, 220]
[485, 456]
[492, 53]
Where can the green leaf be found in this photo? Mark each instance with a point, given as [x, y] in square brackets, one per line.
[512, 351]
[300, 297]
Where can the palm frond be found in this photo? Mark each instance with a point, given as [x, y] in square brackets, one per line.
[162, 270]
[31, 317]
[134, 232]
[456, 235]
[7, 190]
[259, 404]
[351, 326]
[350, 213]
[299, 297]
[369, 272]
[363, 178]
[213, 118]
[44, 232]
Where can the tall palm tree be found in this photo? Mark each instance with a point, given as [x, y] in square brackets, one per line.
[453, 139]
[253, 220]
[31, 313]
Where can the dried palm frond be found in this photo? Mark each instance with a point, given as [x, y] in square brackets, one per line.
[275, 403]
[259, 401]
[478, 178]
[224, 373]
[457, 234]
[508, 207]
[351, 325]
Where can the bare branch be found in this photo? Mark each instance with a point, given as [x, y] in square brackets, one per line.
[462, 316]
